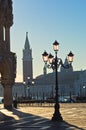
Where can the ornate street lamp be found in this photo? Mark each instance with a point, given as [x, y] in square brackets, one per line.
[54, 63]
[70, 57]
[45, 56]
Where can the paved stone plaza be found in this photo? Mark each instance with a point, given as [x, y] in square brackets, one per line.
[39, 118]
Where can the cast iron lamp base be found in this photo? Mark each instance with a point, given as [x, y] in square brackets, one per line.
[57, 116]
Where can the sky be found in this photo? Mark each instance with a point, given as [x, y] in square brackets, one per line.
[47, 21]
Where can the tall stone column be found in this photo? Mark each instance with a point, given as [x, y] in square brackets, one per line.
[7, 82]
[1, 23]
[8, 100]
[7, 58]
[1, 33]
[8, 74]
[7, 36]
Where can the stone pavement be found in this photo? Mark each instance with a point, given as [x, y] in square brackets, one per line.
[39, 118]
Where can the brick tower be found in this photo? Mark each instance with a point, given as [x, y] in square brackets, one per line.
[27, 61]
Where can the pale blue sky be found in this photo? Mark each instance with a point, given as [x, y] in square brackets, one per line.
[47, 21]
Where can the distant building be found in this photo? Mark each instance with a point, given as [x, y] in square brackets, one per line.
[27, 61]
[18, 90]
[71, 84]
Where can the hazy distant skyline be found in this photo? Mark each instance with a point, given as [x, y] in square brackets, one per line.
[47, 21]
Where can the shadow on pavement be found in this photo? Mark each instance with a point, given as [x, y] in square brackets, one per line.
[6, 121]
[63, 126]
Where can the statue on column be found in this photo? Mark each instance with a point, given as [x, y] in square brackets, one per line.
[7, 58]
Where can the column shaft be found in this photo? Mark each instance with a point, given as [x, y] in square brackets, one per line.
[8, 99]
[1, 34]
[7, 37]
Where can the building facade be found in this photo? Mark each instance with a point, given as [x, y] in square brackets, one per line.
[71, 84]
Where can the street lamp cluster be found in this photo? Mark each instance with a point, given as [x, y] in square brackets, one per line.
[54, 63]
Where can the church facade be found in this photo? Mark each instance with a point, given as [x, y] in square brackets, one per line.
[71, 84]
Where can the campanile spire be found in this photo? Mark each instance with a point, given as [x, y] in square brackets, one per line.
[27, 45]
[27, 60]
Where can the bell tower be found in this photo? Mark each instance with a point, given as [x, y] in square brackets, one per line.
[7, 58]
[27, 61]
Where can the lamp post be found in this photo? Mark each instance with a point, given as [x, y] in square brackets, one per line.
[27, 84]
[84, 87]
[24, 89]
[54, 63]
